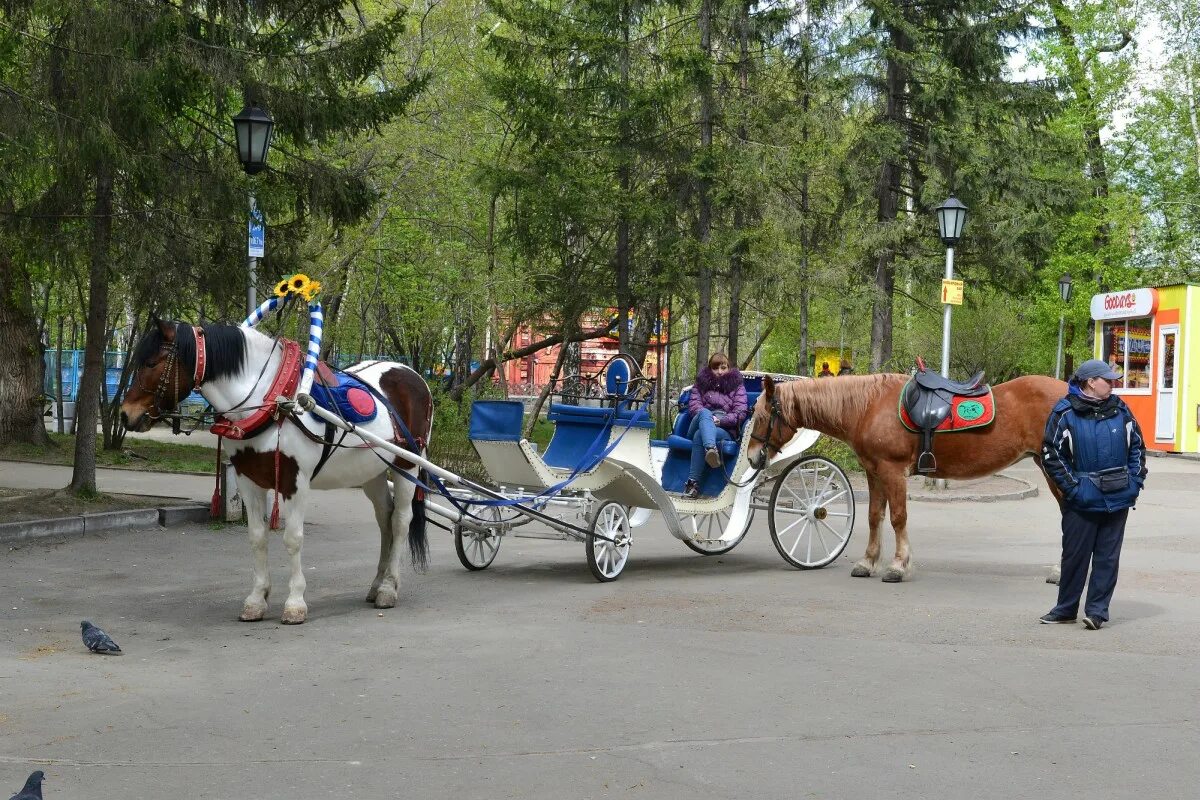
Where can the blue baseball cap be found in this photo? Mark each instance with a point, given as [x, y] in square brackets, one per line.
[1094, 368]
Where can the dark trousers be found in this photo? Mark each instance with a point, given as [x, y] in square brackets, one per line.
[1089, 538]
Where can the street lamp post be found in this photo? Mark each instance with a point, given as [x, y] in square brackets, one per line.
[952, 216]
[253, 128]
[1064, 291]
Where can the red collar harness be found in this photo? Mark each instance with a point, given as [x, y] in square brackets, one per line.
[285, 383]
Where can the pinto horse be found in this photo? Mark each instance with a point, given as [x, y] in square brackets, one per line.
[241, 373]
[863, 412]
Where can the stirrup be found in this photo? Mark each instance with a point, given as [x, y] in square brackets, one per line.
[926, 462]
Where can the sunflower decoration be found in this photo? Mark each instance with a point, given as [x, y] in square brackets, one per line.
[299, 285]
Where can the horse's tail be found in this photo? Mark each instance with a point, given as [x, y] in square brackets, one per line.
[418, 544]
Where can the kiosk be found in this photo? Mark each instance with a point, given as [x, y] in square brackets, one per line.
[1144, 335]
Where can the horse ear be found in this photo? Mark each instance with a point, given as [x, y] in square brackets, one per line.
[768, 387]
[166, 328]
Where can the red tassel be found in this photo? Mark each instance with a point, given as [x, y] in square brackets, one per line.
[214, 508]
[275, 513]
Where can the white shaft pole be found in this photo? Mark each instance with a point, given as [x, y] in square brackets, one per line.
[1059, 358]
[946, 317]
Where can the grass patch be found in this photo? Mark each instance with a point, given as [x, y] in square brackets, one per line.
[836, 451]
[141, 454]
[22, 505]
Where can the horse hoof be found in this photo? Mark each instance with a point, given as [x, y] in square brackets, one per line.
[860, 571]
[371, 595]
[251, 614]
[385, 599]
[893, 575]
[294, 615]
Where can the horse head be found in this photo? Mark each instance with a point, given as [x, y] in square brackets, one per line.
[159, 381]
[769, 428]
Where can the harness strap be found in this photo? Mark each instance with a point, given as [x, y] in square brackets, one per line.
[275, 505]
[327, 445]
[214, 507]
[284, 384]
[201, 358]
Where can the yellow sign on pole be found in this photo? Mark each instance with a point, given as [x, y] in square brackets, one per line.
[952, 292]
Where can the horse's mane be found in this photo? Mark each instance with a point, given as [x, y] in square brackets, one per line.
[829, 402]
[225, 347]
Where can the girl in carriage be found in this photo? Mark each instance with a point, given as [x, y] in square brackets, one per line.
[718, 407]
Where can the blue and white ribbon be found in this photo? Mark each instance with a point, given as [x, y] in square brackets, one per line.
[316, 323]
[266, 308]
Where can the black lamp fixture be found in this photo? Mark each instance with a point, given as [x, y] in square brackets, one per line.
[253, 128]
[1065, 285]
[952, 216]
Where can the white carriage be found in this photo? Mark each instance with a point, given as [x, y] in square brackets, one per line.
[602, 476]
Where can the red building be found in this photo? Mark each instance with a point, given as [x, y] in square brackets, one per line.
[535, 370]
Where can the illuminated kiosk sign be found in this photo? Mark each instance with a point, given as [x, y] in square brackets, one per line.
[1124, 305]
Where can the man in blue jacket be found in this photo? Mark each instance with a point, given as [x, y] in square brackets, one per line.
[1093, 451]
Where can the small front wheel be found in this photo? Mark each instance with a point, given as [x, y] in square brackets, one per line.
[811, 512]
[608, 539]
[477, 549]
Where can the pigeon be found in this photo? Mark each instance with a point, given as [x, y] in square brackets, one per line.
[32, 790]
[97, 640]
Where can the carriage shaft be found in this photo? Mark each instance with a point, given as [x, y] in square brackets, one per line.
[307, 403]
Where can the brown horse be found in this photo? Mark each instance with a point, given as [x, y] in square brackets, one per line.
[862, 411]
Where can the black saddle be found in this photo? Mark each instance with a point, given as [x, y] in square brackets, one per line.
[928, 399]
[969, 388]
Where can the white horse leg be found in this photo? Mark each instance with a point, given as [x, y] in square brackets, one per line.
[295, 610]
[255, 605]
[380, 495]
[402, 514]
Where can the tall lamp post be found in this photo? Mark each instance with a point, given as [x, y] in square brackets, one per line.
[952, 216]
[1064, 291]
[253, 128]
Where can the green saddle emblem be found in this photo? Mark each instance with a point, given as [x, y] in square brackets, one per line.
[969, 411]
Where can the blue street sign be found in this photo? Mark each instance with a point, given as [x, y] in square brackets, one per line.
[258, 234]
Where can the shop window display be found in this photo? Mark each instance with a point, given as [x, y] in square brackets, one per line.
[1127, 349]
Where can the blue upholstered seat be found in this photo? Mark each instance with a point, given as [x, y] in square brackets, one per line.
[496, 420]
[675, 468]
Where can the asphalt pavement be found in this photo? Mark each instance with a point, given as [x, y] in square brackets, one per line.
[690, 677]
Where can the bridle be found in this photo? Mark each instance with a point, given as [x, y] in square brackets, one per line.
[159, 392]
[172, 351]
[776, 415]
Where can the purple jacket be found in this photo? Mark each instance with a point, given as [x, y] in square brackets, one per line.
[726, 394]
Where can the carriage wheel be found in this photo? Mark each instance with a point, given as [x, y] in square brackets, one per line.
[712, 528]
[477, 549]
[811, 512]
[605, 558]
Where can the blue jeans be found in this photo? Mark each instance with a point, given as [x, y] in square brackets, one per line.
[704, 433]
[1089, 539]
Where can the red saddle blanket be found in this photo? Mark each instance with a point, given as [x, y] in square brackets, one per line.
[965, 413]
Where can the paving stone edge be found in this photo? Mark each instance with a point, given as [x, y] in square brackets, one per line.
[101, 521]
[1024, 489]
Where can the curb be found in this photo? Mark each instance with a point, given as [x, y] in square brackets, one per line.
[9, 459]
[1026, 489]
[98, 522]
